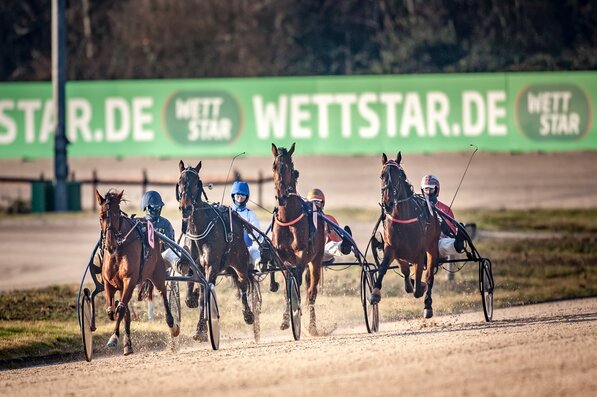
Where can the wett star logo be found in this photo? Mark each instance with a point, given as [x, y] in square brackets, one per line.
[553, 112]
[202, 117]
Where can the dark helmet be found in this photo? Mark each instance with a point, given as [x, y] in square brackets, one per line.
[151, 198]
[152, 204]
[430, 181]
[240, 187]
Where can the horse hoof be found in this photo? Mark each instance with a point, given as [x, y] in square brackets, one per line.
[128, 350]
[175, 330]
[284, 325]
[375, 296]
[200, 337]
[249, 318]
[274, 287]
[112, 342]
[408, 285]
[428, 313]
[192, 301]
[421, 290]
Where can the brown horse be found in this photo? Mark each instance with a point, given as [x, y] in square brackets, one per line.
[215, 238]
[124, 267]
[290, 232]
[411, 234]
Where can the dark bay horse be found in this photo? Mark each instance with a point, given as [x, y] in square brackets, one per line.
[291, 237]
[411, 233]
[124, 266]
[215, 238]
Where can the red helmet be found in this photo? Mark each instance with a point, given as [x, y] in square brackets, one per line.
[430, 181]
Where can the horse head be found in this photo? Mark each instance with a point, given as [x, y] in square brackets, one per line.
[285, 175]
[188, 189]
[110, 218]
[394, 183]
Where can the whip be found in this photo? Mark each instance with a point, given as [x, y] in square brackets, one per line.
[461, 179]
[227, 175]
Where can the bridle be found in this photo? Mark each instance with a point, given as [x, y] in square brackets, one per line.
[196, 197]
[394, 188]
[115, 230]
[283, 194]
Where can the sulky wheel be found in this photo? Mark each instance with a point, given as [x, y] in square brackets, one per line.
[174, 300]
[255, 304]
[213, 317]
[486, 288]
[371, 311]
[86, 318]
[294, 302]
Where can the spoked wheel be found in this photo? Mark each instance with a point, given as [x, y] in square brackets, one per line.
[371, 311]
[294, 302]
[86, 318]
[213, 318]
[174, 300]
[486, 288]
[255, 304]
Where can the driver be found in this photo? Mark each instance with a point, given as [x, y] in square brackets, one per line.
[450, 240]
[240, 196]
[335, 246]
[152, 204]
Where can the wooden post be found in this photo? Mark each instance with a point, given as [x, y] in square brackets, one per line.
[260, 188]
[93, 189]
[144, 182]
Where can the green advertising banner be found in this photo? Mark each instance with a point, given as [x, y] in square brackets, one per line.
[342, 115]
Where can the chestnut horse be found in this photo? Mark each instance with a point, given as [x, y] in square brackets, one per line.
[290, 231]
[215, 238]
[411, 233]
[123, 266]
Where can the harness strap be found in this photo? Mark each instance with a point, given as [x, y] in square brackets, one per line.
[291, 222]
[403, 221]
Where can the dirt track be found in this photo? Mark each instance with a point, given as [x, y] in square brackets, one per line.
[536, 350]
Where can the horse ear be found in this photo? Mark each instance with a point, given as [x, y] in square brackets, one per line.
[120, 195]
[100, 199]
[291, 149]
[198, 166]
[384, 158]
[274, 150]
[181, 166]
[399, 157]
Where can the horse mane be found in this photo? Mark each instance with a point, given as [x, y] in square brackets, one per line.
[112, 196]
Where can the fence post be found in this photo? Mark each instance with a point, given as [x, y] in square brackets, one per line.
[144, 183]
[93, 189]
[260, 188]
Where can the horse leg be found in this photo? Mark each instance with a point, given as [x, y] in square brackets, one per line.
[273, 284]
[420, 286]
[121, 310]
[241, 280]
[313, 277]
[159, 281]
[201, 332]
[408, 285]
[192, 299]
[109, 292]
[383, 268]
[128, 345]
[428, 311]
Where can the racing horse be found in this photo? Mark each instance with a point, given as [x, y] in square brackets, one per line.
[124, 266]
[411, 233]
[214, 236]
[295, 243]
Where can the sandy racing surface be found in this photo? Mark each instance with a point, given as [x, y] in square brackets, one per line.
[536, 350]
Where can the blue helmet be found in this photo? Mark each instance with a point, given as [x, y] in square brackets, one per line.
[239, 187]
[151, 198]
